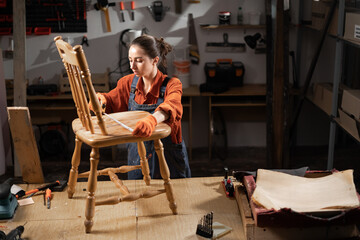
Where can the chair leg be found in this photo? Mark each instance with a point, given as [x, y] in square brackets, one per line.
[165, 174]
[144, 162]
[75, 161]
[91, 188]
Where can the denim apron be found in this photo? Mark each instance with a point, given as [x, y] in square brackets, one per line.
[175, 154]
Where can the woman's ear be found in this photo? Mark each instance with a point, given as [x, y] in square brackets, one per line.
[156, 60]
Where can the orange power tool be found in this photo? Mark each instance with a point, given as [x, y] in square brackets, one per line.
[22, 193]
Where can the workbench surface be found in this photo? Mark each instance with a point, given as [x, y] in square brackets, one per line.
[143, 219]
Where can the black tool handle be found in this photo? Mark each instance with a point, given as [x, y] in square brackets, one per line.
[15, 233]
[50, 185]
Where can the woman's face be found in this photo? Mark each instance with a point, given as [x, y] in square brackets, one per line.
[140, 63]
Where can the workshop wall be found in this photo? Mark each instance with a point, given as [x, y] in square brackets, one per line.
[104, 49]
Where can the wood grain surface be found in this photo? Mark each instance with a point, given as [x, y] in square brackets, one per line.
[142, 219]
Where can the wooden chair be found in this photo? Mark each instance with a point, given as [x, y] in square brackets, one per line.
[103, 131]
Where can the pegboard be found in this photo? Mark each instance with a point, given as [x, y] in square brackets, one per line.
[47, 16]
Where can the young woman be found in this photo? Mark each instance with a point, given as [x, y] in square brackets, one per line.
[149, 89]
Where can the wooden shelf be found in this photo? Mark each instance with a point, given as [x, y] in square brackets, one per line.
[347, 41]
[246, 90]
[191, 91]
[44, 97]
[249, 104]
[337, 120]
[231, 26]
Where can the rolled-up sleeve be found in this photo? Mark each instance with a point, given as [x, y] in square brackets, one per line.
[117, 99]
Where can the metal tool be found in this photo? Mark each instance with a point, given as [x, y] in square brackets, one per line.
[157, 10]
[225, 46]
[205, 226]
[48, 197]
[122, 11]
[23, 193]
[104, 5]
[8, 203]
[194, 51]
[132, 10]
[15, 233]
[117, 121]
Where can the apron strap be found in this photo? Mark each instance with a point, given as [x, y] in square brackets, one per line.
[133, 86]
[162, 90]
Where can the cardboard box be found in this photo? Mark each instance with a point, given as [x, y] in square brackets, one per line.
[352, 27]
[319, 13]
[351, 125]
[322, 96]
[351, 102]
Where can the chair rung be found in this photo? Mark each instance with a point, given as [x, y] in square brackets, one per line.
[122, 169]
[130, 197]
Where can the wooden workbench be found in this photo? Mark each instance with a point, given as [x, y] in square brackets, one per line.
[144, 219]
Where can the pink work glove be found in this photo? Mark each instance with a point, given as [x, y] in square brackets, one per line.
[145, 126]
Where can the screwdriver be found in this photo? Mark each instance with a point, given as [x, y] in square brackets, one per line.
[122, 11]
[132, 11]
[50, 185]
[48, 197]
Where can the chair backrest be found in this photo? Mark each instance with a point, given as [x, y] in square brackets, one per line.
[78, 72]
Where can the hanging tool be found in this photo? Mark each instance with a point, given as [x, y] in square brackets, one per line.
[132, 11]
[103, 5]
[122, 11]
[178, 8]
[85, 41]
[194, 51]
[50, 185]
[48, 197]
[157, 10]
[225, 46]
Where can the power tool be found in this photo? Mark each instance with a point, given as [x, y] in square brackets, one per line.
[8, 202]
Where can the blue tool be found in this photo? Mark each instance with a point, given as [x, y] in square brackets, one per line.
[8, 202]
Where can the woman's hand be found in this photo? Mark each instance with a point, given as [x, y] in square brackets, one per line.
[102, 101]
[145, 126]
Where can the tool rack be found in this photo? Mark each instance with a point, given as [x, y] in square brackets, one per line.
[46, 16]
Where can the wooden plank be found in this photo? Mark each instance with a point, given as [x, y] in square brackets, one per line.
[248, 222]
[19, 34]
[25, 144]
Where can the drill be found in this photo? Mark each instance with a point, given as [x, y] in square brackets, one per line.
[14, 234]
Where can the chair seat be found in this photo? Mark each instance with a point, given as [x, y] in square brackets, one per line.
[117, 134]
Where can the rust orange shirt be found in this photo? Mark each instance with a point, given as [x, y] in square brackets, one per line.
[117, 100]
